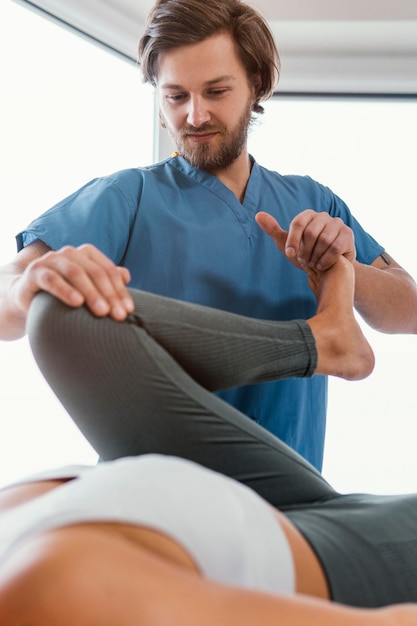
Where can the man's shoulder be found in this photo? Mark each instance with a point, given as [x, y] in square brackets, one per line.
[301, 180]
[293, 184]
[133, 178]
[138, 172]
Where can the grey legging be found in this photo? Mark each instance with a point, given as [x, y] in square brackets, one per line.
[144, 385]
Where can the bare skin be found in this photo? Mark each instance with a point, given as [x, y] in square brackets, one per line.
[201, 105]
[76, 276]
[342, 348]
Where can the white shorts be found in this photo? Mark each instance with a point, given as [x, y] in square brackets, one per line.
[229, 531]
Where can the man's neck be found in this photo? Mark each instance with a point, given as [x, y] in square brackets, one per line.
[236, 175]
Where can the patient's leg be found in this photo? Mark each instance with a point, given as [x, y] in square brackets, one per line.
[135, 387]
[141, 386]
[221, 350]
[341, 346]
[342, 349]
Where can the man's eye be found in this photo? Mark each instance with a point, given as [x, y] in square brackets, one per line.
[176, 97]
[217, 92]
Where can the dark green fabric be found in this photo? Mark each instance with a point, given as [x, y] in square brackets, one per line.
[367, 545]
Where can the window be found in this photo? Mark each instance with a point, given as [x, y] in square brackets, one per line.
[364, 150]
[70, 111]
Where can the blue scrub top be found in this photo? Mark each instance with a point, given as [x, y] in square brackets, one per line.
[182, 233]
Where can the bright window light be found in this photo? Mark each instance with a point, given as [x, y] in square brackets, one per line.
[70, 111]
[365, 151]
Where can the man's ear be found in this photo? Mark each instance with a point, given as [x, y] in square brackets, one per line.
[257, 87]
[162, 120]
[256, 93]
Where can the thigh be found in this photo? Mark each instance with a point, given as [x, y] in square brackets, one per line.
[129, 396]
[81, 575]
[367, 546]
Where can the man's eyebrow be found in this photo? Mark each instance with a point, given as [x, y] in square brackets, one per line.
[209, 83]
[221, 79]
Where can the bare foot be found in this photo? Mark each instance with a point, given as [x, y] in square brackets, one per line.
[342, 348]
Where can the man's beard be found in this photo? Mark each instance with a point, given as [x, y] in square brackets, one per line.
[207, 157]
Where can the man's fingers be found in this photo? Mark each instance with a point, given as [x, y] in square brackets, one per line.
[271, 227]
[82, 275]
[319, 239]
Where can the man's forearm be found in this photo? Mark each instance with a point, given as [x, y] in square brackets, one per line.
[12, 321]
[386, 298]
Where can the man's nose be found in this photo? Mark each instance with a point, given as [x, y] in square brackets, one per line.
[198, 113]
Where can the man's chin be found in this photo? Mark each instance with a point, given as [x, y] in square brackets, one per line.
[198, 160]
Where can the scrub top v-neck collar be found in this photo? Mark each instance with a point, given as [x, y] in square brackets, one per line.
[244, 211]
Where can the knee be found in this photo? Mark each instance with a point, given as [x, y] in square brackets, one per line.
[45, 313]
[54, 328]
